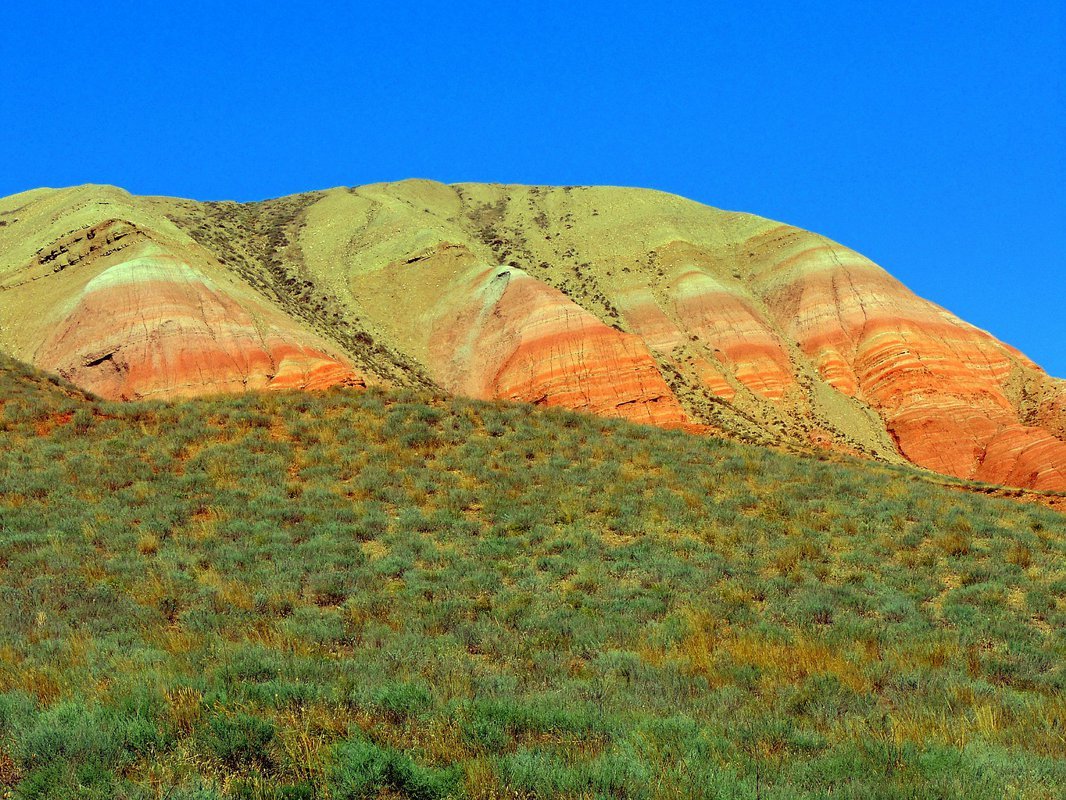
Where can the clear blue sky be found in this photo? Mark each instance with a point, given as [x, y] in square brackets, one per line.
[929, 136]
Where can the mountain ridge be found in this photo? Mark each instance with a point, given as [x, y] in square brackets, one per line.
[622, 302]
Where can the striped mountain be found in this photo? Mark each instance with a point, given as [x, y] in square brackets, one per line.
[620, 302]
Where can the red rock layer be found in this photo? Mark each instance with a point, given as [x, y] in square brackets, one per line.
[939, 383]
[648, 320]
[154, 327]
[516, 338]
[723, 320]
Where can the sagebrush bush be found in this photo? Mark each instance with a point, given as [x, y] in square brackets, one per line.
[237, 740]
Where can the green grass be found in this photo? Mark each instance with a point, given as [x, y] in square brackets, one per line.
[354, 595]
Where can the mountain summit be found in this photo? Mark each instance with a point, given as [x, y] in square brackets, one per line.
[621, 302]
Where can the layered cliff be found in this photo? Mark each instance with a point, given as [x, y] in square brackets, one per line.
[619, 302]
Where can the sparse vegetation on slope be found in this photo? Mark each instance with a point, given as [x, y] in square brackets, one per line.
[369, 594]
[257, 241]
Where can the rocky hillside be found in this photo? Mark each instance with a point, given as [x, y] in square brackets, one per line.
[622, 302]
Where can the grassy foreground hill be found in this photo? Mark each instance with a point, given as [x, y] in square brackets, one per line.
[387, 594]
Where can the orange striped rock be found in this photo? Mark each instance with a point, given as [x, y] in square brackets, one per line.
[516, 338]
[155, 327]
[942, 386]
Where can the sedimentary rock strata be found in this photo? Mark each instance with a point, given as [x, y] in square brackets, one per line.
[155, 327]
[618, 302]
[516, 338]
[941, 385]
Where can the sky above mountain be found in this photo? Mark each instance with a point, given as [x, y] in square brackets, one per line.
[929, 137]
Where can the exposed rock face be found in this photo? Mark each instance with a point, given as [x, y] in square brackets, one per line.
[941, 385]
[619, 302]
[724, 321]
[516, 338]
[155, 327]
